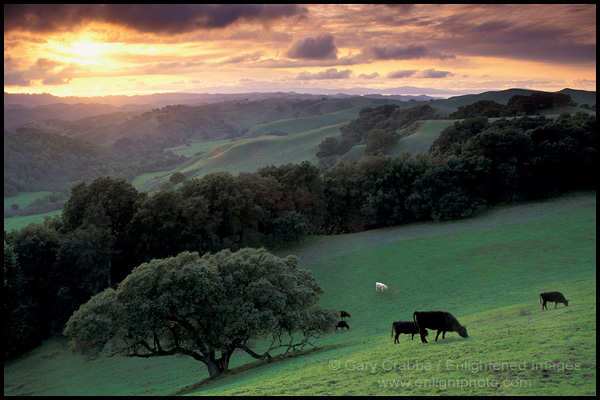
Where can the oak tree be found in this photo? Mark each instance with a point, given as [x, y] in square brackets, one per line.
[204, 307]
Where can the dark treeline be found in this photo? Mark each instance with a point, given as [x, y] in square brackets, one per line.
[107, 228]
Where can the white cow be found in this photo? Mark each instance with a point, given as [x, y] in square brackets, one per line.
[379, 285]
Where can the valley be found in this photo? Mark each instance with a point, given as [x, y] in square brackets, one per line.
[235, 133]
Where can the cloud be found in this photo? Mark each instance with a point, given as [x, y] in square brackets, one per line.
[330, 73]
[160, 18]
[432, 73]
[539, 32]
[317, 48]
[392, 52]
[369, 76]
[243, 58]
[395, 52]
[48, 71]
[401, 74]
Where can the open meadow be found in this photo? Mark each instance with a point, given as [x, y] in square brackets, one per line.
[487, 271]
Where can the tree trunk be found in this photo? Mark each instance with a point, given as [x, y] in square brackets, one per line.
[217, 366]
[214, 367]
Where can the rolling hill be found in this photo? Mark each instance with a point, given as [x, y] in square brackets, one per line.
[502, 97]
[488, 271]
[265, 130]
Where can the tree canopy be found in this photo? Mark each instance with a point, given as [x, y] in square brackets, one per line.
[204, 307]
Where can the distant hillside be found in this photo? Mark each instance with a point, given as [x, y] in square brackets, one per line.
[581, 96]
[33, 110]
[36, 160]
[173, 118]
[291, 120]
[502, 97]
[174, 125]
[247, 155]
[153, 100]
[59, 117]
[165, 99]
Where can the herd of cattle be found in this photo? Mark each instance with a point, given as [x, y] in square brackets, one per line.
[441, 321]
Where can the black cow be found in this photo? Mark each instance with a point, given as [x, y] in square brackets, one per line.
[556, 297]
[341, 324]
[438, 320]
[344, 314]
[408, 327]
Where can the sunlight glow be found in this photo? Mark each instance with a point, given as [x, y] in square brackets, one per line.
[88, 52]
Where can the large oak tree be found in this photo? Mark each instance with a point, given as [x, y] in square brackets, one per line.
[204, 307]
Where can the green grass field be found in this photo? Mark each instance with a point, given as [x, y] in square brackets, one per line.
[421, 139]
[251, 153]
[21, 221]
[23, 200]
[487, 271]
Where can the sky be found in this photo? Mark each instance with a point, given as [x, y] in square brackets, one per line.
[438, 50]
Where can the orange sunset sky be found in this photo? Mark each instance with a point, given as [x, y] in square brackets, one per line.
[440, 50]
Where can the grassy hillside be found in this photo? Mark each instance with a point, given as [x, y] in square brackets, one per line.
[252, 153]
[21, 221]
[488, 271]
[422, 138]
[247, 155]
[25, 198]
[229, 119]
[302, 124]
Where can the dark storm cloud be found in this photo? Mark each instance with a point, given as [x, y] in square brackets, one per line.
[539, 41]
[161, 18]
[317, 48]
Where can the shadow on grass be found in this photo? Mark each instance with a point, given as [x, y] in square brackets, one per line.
[252, 366]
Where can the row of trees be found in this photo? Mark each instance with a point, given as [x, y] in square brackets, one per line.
[380, 128]
[107, 228]
[377, 128]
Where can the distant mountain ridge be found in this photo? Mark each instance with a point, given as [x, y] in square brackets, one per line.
[502, 97]
[164, 99]
[153, 100]
[175, 117]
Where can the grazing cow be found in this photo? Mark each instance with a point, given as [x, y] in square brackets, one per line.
[344, 314]
[556, 297]
[408, 327]
[438, 320]
[341, 324]
[379, 285]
